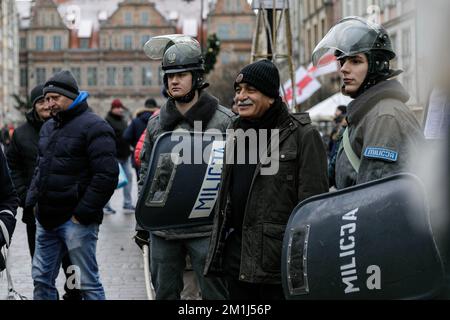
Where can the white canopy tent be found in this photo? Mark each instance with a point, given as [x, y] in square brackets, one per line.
[324, 111]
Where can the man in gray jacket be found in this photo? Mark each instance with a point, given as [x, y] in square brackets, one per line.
[188, 103]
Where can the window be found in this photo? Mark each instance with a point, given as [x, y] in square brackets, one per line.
[76, 74]
[225, 58]
[23, 77]
[144, 39]
[111, 76]
[128, 42]
[147, 76]
[23, 43]
[56, 70]
[144, 18]
[84, 43]
[56, 43]
[127, 76]
[39, 43]
[160, 76]
[92, 76]
[128, 18]
[406, 49]
[40, 76]
[243, 31]
[223, 32]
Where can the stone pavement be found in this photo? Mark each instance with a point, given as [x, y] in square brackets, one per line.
[120, 260]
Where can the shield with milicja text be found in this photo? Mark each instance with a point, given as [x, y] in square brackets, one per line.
[182, 182]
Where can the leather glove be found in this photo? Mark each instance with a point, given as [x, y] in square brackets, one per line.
[142, 238]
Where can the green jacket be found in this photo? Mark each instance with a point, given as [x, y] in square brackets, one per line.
[302, 173]
[383, 133]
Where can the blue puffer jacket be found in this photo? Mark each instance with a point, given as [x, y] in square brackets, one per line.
[77, 171]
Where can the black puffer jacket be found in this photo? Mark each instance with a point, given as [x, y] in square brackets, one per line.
[137, 126]
[22, 156]
[119, 125]
[77, 171]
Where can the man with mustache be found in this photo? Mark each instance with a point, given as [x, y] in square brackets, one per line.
[254, 205]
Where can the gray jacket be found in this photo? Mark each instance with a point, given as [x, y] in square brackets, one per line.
[383, 132]
[212, 115]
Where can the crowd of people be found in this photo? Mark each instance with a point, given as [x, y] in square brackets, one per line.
[64, 166]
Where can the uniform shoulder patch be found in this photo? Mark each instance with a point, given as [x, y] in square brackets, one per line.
[381, 154]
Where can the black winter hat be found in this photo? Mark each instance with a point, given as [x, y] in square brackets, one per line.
[262, 75]
[63, 83]
[36, 94]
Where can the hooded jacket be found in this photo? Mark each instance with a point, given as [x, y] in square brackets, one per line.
[383, 133]
[77, 170]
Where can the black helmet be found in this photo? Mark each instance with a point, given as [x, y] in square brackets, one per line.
[353, 35]
[182, 57]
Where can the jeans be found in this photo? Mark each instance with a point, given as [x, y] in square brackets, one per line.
[81, 243]
[168, 261]
[126, 164]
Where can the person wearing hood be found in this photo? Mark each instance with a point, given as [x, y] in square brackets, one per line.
[138, 125]
[382, 133]
[76, 175]
[21, 155]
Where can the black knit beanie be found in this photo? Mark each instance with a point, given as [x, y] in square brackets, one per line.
[63, 83]
[262, 75]
[36, 94]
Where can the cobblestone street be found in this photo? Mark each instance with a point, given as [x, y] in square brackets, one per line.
[120, 260]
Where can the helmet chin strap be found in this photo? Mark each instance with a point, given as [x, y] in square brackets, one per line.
[185, 99]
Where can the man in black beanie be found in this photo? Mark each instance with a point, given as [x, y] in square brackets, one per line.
[76, 175]
[254, 204]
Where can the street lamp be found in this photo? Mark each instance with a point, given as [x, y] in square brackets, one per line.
[200, 36]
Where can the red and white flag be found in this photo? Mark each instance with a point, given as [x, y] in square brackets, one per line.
[306, 84]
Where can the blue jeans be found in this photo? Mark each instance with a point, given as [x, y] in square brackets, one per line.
[126, 164]
[81, 243]
[168, 261]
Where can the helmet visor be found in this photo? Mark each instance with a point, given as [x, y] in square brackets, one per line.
[349, 37]
[157, 46]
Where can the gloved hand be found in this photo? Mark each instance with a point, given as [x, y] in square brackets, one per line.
[142, 238]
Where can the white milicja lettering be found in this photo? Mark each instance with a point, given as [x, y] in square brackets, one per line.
[347, 244]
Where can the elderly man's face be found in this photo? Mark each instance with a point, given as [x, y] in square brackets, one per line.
[251, 103]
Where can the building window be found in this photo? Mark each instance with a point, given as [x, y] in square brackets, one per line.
[40, 76]
[84, 43]
[243, 31]
[111, 76]
[92, 76]
[40, 43]
[56, 43]
[225, 58]
[76, 74]
[223, 31]
[23, 77]
[406, 49]
[144, 39]
[238, 6]
[56, 70]
[147, 76]
[127, 76]
[128, 18]
[128, 42]
[144, 18]
[23, 43]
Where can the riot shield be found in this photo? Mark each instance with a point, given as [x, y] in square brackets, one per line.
[372, 241]
[183, 180]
